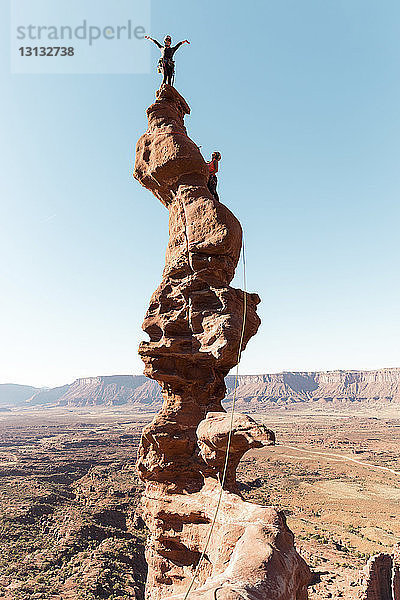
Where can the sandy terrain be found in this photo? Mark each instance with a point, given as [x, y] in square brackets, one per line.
[338, 480]
[68, 492]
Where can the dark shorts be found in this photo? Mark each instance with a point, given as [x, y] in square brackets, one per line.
[212, 186]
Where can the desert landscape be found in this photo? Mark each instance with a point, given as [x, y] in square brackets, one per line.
[131, 487]
[200, 379]
[68, 497]
[337, 477]
[69, 493]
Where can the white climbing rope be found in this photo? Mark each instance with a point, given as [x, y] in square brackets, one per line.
[232, 413]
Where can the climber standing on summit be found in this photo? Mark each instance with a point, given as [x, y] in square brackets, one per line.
[166, 62]
[212, 170]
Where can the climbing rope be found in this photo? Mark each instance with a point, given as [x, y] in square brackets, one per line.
[232, 413]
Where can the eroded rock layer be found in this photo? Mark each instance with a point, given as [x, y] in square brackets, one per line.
[194, 323]
[381, 580]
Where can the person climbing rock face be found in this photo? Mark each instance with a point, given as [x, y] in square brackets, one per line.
[167, 63]
[213, 169]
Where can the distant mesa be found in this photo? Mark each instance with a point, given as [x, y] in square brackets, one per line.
[13, 394]
[254, 393]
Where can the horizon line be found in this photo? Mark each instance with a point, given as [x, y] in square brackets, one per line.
[303, 371]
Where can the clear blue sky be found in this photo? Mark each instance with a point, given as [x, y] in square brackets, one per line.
[302, 98]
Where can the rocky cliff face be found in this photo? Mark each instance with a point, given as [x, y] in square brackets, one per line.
[102, 391]
[194, 326]
[381, 578]
[262, 391]
[254, 392]
[112, 390]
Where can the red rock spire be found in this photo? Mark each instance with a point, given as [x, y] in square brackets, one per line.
[194, 323]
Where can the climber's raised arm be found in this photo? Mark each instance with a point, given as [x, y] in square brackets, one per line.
[147, 37]
[175, 48]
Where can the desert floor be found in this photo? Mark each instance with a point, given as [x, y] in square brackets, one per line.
[68, 494]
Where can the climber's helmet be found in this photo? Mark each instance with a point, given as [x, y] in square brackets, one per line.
[216, 156]
[167, 40]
